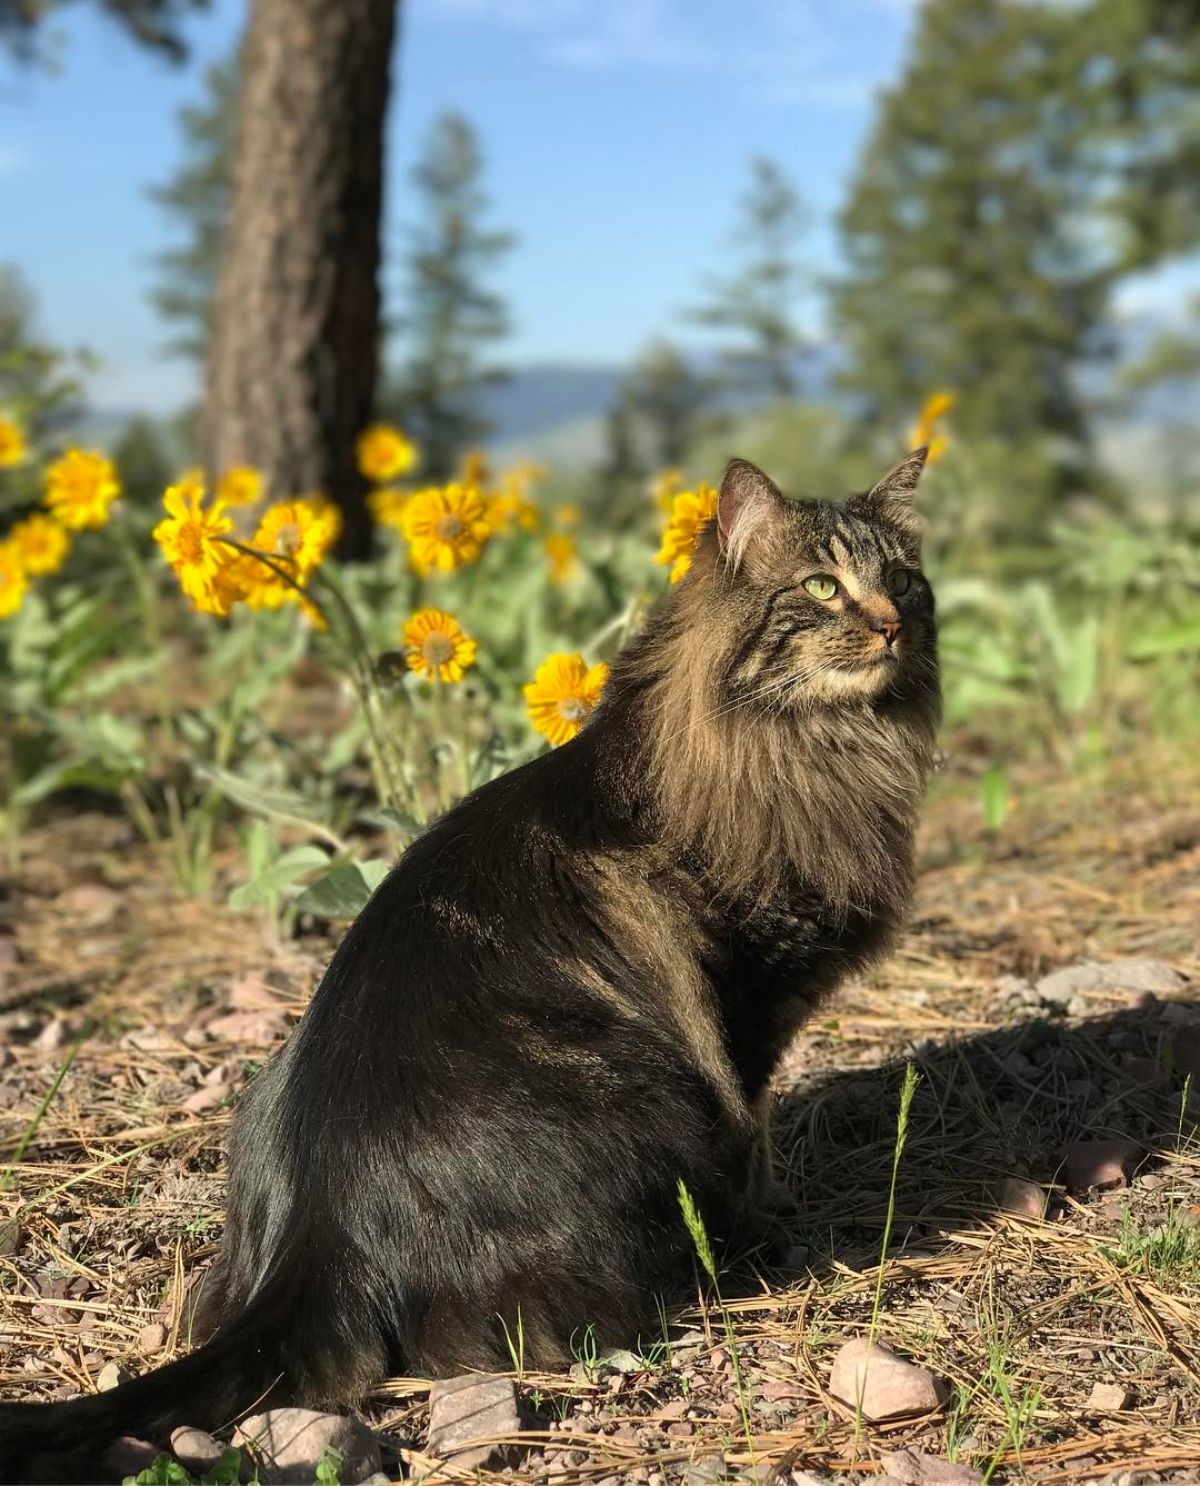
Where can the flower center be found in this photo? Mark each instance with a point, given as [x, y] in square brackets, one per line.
[288, 538]
[573, 709]
[449, 526]
[437, 649]
[191, 542]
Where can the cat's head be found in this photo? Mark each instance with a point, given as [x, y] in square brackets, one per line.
[820, 602]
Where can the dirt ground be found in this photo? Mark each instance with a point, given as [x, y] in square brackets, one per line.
[117, 1200]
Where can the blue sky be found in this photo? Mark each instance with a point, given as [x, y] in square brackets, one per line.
[617, 135]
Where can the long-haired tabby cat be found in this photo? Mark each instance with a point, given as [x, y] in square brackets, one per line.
[571, 991]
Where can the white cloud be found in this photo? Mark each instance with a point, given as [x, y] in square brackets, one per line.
[783, 51]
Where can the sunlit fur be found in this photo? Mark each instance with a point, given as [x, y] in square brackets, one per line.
[569, 995]
[814, 737]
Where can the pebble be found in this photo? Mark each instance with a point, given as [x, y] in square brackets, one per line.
[704, 1472]
[915, 1468]
[110, 1376]
[621, 1361]
[288, 1445]
[1025, 1199]
[1133, 977]
[888, 1387]
[1108, 1398]
[1101, 1164]
[463, 1410]
[195, 1448]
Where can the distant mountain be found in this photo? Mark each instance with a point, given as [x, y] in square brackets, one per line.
[542, 396]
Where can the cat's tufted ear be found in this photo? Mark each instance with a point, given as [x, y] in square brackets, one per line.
[891, 499]
[750, 504]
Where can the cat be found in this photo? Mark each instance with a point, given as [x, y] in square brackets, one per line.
[570, 993]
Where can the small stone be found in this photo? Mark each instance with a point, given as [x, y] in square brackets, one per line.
[681, 1430]
[914, 1468]
[110, 1376]
[1024, 1199]
[289, 1444]
[152, 1338]
[196, 1449]
[705, 1472]
[91, 905]
[621, 1361]
[1129, 977]
[469, 1409]
[204, 1099]
[886, 1385]
[249, 1028]
[808, 1478]
[128, 1456]
[11, 1237]
[1101, 1164]
[1108, 1398]
[52, 1036]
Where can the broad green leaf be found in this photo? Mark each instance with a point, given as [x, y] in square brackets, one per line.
[269, 886]
[344, 890]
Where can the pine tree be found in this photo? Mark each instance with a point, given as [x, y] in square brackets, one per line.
[154, 23]
[196, 199]
[294, 352]
[664, 396]
[451, 318]
[1001, 196]
[758, 303]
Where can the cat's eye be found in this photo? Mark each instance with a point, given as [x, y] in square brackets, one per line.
[899, 581]
[821, 586]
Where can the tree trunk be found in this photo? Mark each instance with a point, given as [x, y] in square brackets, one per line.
[295, 348]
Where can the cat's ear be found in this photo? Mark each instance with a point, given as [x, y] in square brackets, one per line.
[891, 499]
[749, 506]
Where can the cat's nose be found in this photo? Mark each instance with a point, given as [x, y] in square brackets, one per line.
[889, 629]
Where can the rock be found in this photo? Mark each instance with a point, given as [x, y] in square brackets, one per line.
[52, 1036]
[152, 1338]
[913, 1468]
[1025, 1199]
[620, 1361]
[1101, 1164]
[888, 1387]
[249, 1028]
[808, 1478]
[91, 905]
[110, 1376]
[196, 1449]
[288, 1445]
[11, 1237]
[1131, 977]
[465, 1410]
[704, 1472]
[127, 1456]
[1108, 1398]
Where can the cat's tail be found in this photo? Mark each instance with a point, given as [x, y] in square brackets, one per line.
[259, 1358]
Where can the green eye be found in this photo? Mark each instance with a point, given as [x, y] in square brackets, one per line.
[899, 582]
[821, 586]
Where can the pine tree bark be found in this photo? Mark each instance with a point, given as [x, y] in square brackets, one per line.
[295, 349]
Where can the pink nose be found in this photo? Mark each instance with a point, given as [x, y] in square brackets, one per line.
[889, 629]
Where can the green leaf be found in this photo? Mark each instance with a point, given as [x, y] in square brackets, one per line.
[344, 890]
[993, 789]
[277, 804]
[1171, 639]
[269, 886]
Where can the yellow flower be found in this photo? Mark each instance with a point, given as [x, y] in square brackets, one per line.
[436, 647]
[12, 444]
[41, 544]
[446, 526]
[190, 538]
[240, 486]
[14, 582]
[475, 468]
[387, 506]
[384, 452]
[924, 431]
[329, 511]
[296, 535]
[563, 558]
[567, 515]
[562, 695]
[80, 487]
[665, 487]
[690, 509]
[510, 508]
